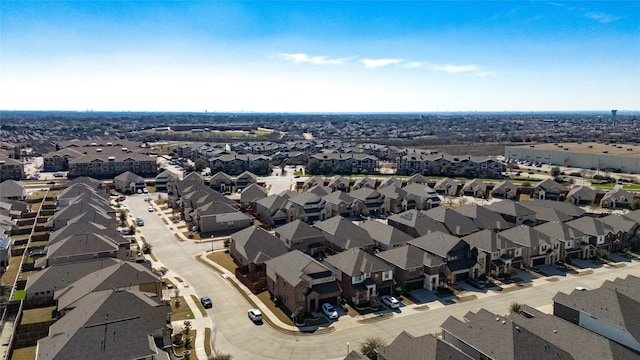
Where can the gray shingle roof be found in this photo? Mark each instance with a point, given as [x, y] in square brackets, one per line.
[298, 230]
[437, 243]
[355, 262]
[344, 233]
[425, 347]
[385, 234]
[128, 315]
[257, 245]
[584, 344]
[61, 275]
[409, 257]
[482, 217]
[296, 266]
[456, 223]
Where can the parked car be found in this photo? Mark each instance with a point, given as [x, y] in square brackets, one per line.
[255, 315]
[581, 288]
[390, 301]
[150, 208]
[330, 311]
[206, 302]
[121, 198]
[145, 191]
[139, 221]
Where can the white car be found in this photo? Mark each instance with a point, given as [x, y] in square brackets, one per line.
[255, 315]
[330, 311]
[581, 288]
[390, 301]
[150, 209]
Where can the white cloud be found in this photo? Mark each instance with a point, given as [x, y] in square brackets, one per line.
[601, 17]
[453, 69]
[375, 63]
[316, 60]
[413, 65]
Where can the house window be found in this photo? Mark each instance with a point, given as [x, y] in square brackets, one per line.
[555, 246]
[387, 275]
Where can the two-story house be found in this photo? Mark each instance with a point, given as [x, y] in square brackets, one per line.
[362, 276]
[301, 282]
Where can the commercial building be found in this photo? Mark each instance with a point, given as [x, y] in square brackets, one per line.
[595, 156]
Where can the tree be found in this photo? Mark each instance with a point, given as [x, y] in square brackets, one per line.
[555, 171]
[200, 164]
[369, 346]
[122, 215]
[515, 307]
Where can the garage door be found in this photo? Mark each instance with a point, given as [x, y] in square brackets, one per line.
[539, 261]
[462, 276]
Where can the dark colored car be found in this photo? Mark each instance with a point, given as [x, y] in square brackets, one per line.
[206, 302]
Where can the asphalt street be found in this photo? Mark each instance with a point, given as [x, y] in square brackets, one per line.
[235, 334]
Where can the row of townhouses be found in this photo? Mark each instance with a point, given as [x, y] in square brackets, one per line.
[83, 290]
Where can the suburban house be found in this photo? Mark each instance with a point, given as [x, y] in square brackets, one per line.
[601, 237]
[547, 189]
[254, 245]
[513, 212]
[526, 335]
[499, 256]
[582, 196]
[414, 268]
[362, 276]
[305, 206]
[84, 247]
[476, 188]
[426, 347]
[251, 194]
[573, 243]
[454, 222]
[505, 190]
[385, 236]
[364, 182]
[461, 261]
[219, 218]
[610, 310]
[393, 198]
[165, 181]
[132, 315]
[250, 248]
[11, 169]
[540, 248]
[128, 182]
[339, 203]
[12, 190]
[447, 187]
[298, 235]
[341, 234]
[42, 284]
[221, 182]
[300, 282]
[421, 197]
[483, 218]
[339, 183]
[245, 179]
[415, 223]
[617, 198]
[271, 208]
[372, 200]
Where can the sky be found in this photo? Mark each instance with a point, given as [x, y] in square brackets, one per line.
[320, 56]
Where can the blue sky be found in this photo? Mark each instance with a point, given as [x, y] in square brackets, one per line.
[326, 56]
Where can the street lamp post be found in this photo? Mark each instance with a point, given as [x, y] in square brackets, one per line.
[348, 348]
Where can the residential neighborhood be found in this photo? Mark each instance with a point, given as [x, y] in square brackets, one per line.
[314, 251]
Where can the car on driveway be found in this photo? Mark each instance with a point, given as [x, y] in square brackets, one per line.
[122, 198]
[390, 301]
[255, 315]
[206, 302]
[330, 311]
[581, 288]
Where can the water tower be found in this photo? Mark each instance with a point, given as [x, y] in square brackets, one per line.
[613, 116]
